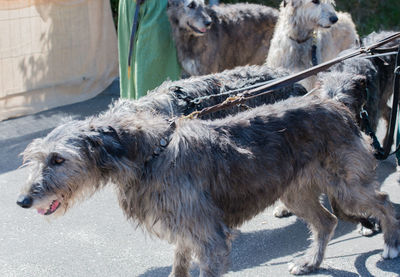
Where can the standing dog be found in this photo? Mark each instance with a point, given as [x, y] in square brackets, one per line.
[212, 39]
[359, 83]
[304, 24]
[193, 190]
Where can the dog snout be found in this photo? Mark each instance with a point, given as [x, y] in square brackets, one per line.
[208, 22]
[25, 201]
[333, 19]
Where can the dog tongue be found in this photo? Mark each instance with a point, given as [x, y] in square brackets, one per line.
[54, 206]
[203, 30]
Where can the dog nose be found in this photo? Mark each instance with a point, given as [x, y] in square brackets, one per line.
[207, 23]
[333, 19]
[25, 201]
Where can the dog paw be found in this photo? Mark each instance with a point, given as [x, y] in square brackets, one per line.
[300, 268]
[366, 232]
[281, 211]
[390, 252]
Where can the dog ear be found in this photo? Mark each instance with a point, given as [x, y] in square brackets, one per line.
[293, 3]
[103, 145]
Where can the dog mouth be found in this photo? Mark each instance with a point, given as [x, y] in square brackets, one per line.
[198, 31]
[51, 209]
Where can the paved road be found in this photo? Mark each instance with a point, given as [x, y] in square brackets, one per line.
[94, 239]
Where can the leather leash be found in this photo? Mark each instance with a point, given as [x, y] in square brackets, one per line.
[288, 80]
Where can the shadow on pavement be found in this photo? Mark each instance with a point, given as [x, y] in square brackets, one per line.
[17, 133]
[254, 249]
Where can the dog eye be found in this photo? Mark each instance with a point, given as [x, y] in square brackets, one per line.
[192, 5]
[316, 1]
[57, 160]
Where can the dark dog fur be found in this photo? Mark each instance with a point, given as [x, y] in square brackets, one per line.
[214, 175]
[239, 35]
[378, 73]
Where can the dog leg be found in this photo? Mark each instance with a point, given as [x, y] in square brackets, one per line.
[281, 211]
[181, 261]
[369, 227]
[213, 254]
[376, 204]
[321, 222]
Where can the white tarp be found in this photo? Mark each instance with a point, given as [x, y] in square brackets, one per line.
[54, 53]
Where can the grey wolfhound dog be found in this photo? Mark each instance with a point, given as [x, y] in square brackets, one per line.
[212, 39]
[174, 99]
[193, 191]
[359, 83]
[304, 24]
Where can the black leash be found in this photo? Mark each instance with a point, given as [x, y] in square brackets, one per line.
[133, 34]
[383, 153]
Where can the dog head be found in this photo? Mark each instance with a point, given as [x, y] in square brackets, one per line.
[348, 88]
[72, 161]
[312, 14]
[189, 15]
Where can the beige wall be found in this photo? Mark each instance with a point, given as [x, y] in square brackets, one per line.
[54, 53]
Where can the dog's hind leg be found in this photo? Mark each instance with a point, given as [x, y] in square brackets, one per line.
[182, 260]
[306, 205]
[365, 200]
[369, 226]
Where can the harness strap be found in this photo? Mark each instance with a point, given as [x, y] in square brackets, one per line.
[368, 130]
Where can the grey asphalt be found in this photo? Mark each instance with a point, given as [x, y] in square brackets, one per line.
[94, 239]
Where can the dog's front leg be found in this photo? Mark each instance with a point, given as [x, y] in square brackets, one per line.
[213, 252]
[183, 256]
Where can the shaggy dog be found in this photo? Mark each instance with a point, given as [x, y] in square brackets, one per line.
[301, 20]
[212, 39]
[360, 83]
[174, 99]
[194, 188]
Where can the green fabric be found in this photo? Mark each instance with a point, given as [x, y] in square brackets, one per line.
[154, 57]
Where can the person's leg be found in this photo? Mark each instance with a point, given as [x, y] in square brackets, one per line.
[155, 52]
[126, 12]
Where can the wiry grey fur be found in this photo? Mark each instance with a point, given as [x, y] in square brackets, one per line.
[239, 34]
[214, 175]
[359, 83]
[172, 99]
